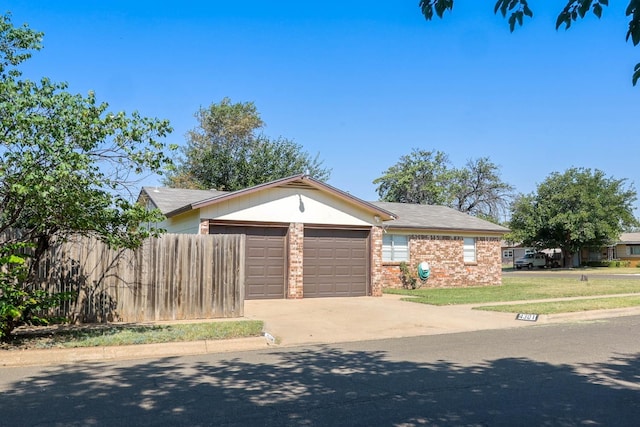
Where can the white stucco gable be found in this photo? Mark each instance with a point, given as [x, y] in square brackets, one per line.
[296, 199]
[289, 205]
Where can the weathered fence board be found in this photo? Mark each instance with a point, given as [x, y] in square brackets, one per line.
[173, 277]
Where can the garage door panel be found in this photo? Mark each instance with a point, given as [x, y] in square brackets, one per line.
[324, 253]
[343, 288]
[344, 270]
[274, 252]
[255, 270]
[335, 263]
[358, 253]
[265, 259]
[275, 271]
[359, 271]
[342, 253]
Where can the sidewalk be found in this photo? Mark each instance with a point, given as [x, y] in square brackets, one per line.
[318, 321]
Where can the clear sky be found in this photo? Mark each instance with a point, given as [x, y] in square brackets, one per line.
[363, 82]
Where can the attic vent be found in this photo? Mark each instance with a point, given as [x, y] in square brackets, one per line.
[298, 185]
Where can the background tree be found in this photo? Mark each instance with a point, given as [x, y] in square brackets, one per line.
[577, 209]
[427, 177]
[67, 164]
[226, 151]
[421, 177]
[572, 11]
[478, 190]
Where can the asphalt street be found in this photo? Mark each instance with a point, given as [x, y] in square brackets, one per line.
[581, 373]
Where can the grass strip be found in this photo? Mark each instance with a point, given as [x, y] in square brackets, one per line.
[573, 306]
[114, 335]
[521, 289]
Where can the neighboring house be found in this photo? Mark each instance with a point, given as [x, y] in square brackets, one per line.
[305, 238]
[512, 251]
[627, 248]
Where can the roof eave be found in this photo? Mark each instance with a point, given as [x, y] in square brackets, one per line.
[179, 211]
[446, 229]
[144, 197]
[384, 214]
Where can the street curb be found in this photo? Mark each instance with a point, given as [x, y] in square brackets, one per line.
[61, 356]
[593, 315]
[58, 356]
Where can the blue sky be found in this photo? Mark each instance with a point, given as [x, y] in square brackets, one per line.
[363, 82]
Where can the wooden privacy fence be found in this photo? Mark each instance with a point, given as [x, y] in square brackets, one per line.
[173, 277]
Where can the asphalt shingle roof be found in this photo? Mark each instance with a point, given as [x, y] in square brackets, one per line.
[409, 215]
[171, 199]
[436, 217]
[630, 238]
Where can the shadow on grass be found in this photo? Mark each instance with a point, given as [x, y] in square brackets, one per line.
[327, 386]
[41, 337]
[70, 336]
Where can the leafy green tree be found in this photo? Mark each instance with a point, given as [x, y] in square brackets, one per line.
[572, 11]
[68, 164]
[226, 151]
[420, 177]
[577, 209]
[427, 177]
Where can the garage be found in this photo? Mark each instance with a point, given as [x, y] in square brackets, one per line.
[336, 263]
[265, 260]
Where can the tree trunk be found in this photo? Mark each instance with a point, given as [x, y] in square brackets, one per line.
[567, 258]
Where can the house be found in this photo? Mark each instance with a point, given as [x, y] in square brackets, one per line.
[513, 251]
[461, 250]
[305, 238]
[627, 248]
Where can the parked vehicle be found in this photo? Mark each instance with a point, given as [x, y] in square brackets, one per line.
[538, 259]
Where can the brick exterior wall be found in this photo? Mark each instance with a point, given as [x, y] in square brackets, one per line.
[204, 226]
[295, 260]
[446, 260]
[377, 270]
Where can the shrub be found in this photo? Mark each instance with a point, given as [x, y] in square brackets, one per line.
[409, 279]
[20, 302]
[596, 264]
[610, 264]
[618, 263]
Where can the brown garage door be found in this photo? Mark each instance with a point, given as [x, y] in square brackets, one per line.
[336, 263]
[264, 260]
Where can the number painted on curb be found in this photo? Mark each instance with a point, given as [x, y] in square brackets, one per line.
[527, 317]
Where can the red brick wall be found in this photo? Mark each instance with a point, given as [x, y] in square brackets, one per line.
[377, 271]
[295, 257]
[446, 260]
[204, 226]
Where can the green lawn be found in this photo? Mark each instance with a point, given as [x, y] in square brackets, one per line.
[114, 334]
[523, 288]
[556, 307]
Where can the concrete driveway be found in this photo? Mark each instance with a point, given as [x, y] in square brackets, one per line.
[331, 320]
